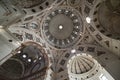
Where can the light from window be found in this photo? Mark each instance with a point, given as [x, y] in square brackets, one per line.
[1, 26]
[102, 77]
[88, 19]
[73, 51]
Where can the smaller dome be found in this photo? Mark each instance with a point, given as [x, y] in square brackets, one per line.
[80, 64]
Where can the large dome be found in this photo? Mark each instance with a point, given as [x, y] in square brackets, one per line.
[62, 27]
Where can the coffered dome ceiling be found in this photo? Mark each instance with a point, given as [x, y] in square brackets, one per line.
[62, 27]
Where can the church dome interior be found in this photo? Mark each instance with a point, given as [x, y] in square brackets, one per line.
[59, 40]
[80, 64]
